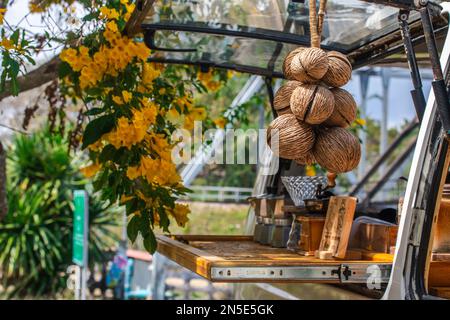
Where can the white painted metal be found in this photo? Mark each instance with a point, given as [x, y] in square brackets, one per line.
[205, 152]
[396, 288]
[385, 80]
[364, 84]
[216, 193]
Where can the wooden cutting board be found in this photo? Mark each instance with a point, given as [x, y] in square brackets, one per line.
[338, 224]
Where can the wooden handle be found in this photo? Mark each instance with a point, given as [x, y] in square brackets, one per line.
[331, 179]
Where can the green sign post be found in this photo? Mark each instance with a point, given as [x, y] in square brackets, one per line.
[80, 237]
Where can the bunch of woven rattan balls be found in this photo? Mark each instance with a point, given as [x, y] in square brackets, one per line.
[313, 112]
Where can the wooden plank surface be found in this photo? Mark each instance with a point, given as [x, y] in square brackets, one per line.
[223, 250]
[200, 253]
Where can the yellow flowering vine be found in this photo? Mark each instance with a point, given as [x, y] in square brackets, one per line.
[133, 107]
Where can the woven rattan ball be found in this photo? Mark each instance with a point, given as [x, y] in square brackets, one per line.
[294, 137]
[311, 103]
[344, 112]
[339, 70]
[337, 150]
[283, 96]
[286, 110]
[287, 63]
[309, 65]
[306, 160]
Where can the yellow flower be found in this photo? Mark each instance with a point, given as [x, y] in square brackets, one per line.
[117, 99]
[199, 113]
[2, 14]
[91, 170]
[310, 171]
[7, 44]
[112, 26]
[110, 14]
[96, 146]
[127, 96]
[180, 214]
[133, 173]
[361, 122]
[220, 122]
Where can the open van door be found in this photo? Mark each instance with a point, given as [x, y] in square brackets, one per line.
[413, 262]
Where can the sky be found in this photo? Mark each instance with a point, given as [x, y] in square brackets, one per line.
[400, 103]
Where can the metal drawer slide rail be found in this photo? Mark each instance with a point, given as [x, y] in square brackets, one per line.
[343, 273]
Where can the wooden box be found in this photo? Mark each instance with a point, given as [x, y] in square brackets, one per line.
[377, 237]
[441, 241]
[310, 234]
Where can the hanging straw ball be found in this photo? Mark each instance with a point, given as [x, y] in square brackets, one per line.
[306, 160]
[337, 150]
[286, 110]
[344, 112]
[339, 70]
[283, 96]
[287, 63]
[311, 103]
[294, 138]
[309, 65]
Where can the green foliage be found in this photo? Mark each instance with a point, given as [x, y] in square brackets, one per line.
[15, 51]
[36, 234]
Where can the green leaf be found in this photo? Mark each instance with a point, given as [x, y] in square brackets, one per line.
[97, 128]
[150, 243]
[15, 37]
[94, 111]
[91, 16]
[64, 70]
[107, 153]
[133, 228]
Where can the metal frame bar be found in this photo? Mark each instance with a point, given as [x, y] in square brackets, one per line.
[398, 140]
[417, 93]
[239, 32]
[438, 84]
[389, 172]
[236, 67]
[372, 58]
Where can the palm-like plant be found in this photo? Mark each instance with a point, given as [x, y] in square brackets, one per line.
[36, 235]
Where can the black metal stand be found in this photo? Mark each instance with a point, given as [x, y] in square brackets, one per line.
[417, 93]
[438, 84]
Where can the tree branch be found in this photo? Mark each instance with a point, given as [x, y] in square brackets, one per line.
[133, 26]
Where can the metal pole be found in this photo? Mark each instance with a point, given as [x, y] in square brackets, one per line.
[417, 92]
[385, 79]
[390, 171]
[400, 138]
[438, 84]
[364, 83]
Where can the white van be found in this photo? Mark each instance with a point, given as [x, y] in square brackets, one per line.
[254, 37]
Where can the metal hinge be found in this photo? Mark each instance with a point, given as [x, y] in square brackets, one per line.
[365, 273]
[418, 218]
